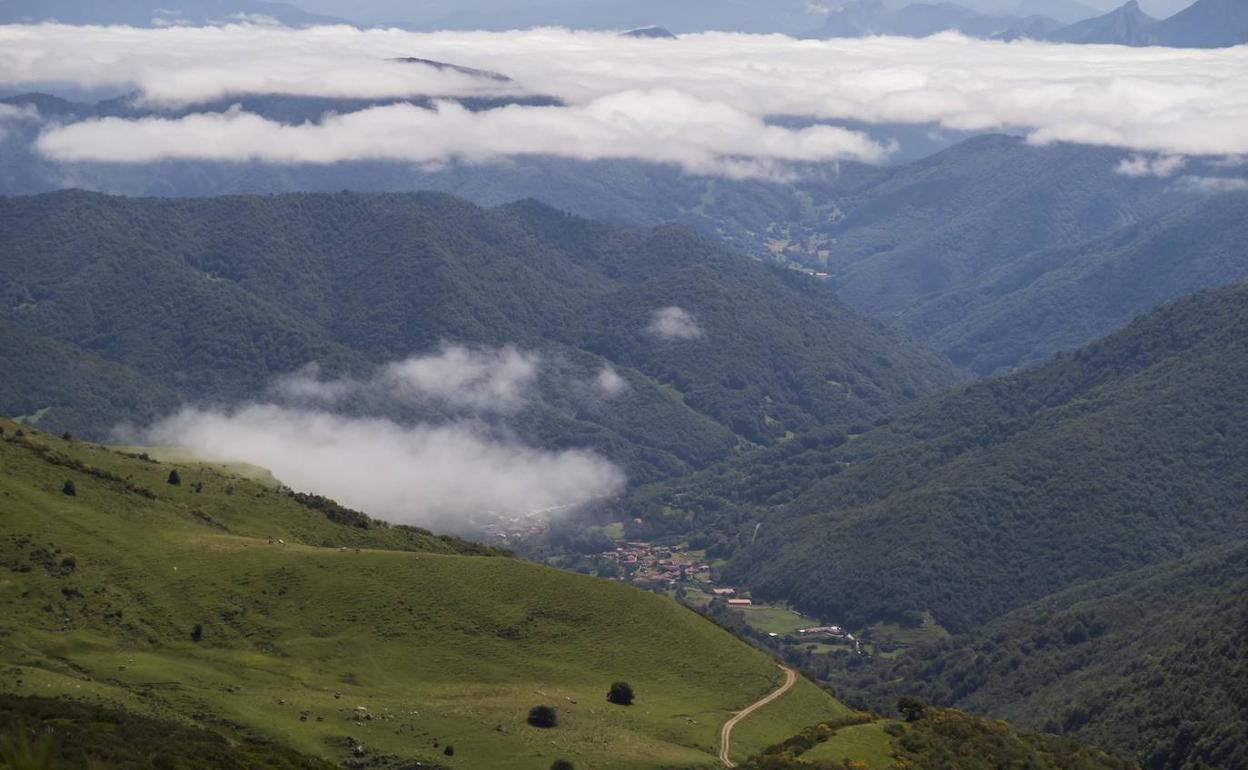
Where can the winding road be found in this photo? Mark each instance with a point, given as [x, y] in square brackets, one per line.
[725, 733]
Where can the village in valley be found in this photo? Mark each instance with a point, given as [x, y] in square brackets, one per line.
[688, 577]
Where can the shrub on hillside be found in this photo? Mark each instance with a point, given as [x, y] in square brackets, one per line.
[543, 716]
[621, 694]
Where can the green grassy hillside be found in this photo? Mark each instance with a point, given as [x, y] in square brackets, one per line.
[934, 739]
[271, 617]
[212, 299]
[60, 734]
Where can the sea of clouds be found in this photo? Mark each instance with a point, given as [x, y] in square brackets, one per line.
[704, 102]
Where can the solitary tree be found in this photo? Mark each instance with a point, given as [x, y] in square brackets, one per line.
[543, 716]
[69, 488]
[911, 708]
[175, 478]
[621, 694]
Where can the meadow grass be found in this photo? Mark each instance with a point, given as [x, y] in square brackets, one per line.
[106, 587]
[865, 743]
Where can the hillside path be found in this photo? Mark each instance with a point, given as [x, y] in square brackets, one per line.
[725, 733]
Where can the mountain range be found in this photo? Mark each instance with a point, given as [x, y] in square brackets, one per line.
[1205, 24]
[873, 17]
[265, 286]
[993, 251]
[1128, 25]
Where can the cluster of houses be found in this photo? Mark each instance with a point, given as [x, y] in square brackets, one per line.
[643, 562]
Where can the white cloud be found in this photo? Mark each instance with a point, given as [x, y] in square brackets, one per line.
[664, 127]
[306, 385]
[674, 324]
[700, 101]
[475, 380]
[252, 18]
[423, 474]
[1212, 185]
[1162, 166]
[609, 383]
[481, 380]
[11, 114]
[15, 113]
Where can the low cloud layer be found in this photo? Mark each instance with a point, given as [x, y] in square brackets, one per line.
[424, 474]
[1212, 185]
[1143, 166]
[609, 384]
[674, 324]
[664, 127]
[336, 437]
[457, 377]
[701, 102]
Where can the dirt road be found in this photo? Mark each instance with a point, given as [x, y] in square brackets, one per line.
[725, 734]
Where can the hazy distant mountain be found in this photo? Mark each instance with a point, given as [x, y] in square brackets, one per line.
[658, 33]
[1065, 11]
[158, 13]
[1128, 25]
[1206, 24]
[787, 16]
[872, 17]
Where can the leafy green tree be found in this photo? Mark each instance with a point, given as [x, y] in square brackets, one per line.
[911, 708]
[621, 694]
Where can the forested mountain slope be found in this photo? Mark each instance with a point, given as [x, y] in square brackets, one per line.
[88, 392]
[212, 299]
[1148, 663]
[271, 617]
[1028, 309]
[1125, 453]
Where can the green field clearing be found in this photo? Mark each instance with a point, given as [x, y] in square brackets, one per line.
[773, 619]
[864, 743]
